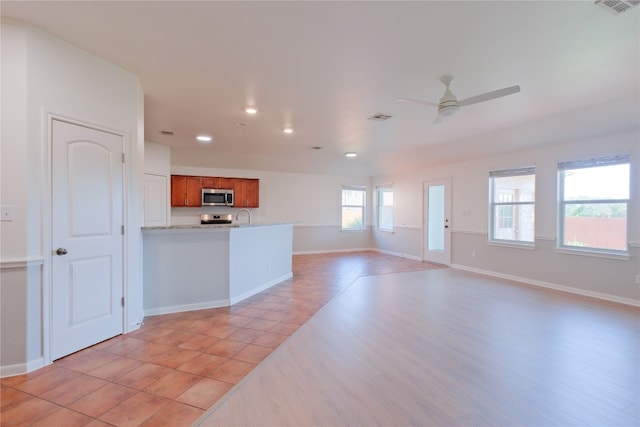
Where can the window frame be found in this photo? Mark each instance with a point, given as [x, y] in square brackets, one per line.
[493, 205]
[595, 162]
[363, 189]
[379, 207]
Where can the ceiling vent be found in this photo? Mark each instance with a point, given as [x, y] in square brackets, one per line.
[379, 117]
[617, 6]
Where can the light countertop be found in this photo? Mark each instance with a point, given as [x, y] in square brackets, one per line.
[210, 227]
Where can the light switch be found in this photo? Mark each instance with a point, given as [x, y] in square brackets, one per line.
[6, 213]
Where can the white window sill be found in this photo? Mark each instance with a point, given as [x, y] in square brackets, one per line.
[512, 244]
[593, 253]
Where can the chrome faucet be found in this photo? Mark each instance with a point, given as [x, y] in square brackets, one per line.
[244, 210]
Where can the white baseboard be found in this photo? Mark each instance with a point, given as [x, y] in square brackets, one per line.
[187, 307]
[549, 285]
[238, 298]
[216, 303]
[333, 251]
[21, 368]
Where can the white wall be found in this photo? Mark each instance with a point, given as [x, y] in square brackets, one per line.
[259, 257]
[185, 270]
[43, 76]
[597, 276]
[157, 159]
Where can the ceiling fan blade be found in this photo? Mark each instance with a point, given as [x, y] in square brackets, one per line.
[439, 119]
[490, 95]
[417, 101]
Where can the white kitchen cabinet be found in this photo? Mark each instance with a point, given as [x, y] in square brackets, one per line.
[156, 200]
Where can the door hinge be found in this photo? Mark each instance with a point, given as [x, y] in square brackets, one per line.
[122, 157]
[122, 301]
[122, 229]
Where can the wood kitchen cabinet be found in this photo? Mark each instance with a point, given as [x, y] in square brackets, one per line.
[186, 191]
[246, 193]
[218, 183]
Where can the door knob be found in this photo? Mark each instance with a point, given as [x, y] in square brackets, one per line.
[61, 251]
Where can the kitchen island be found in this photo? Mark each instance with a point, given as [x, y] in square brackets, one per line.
[192, 267]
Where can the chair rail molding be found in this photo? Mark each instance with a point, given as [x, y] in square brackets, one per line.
[13, 263]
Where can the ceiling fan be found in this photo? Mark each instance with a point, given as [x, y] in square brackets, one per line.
[449, 104]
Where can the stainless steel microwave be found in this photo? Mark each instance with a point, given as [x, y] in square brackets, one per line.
[217, 197]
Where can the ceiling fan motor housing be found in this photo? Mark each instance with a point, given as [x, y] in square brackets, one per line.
[448, 104]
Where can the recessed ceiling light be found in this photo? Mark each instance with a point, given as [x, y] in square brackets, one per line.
[287, 130]
[204, 138]
[251, 110]
[351, 154]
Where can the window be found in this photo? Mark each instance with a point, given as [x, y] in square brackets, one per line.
[512, 205]
[594, 196]
[505, 212]
[385, 209]
[353, 203]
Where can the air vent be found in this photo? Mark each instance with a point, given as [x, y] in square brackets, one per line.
[166, 132]
[617, 6]
[317, 147]
[379, 117]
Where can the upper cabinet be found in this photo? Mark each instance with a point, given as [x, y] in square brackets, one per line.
[186, 191]
[218, 183]
[246, 193]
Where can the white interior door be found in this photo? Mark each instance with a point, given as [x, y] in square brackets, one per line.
[437, 227]
[87, 241]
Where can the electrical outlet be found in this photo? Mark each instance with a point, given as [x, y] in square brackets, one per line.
[6, 213]
[473, 254]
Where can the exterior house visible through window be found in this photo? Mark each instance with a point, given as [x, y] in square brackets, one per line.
[512, 205]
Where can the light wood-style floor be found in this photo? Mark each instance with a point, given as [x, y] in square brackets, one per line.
[447, 348]
[178, 365]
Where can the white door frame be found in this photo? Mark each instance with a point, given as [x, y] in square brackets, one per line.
[47, 224]
[446, 259]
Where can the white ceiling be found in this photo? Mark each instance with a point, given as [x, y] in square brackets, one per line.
[325, 67]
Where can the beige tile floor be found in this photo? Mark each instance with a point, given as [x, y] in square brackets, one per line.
[176, 366]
